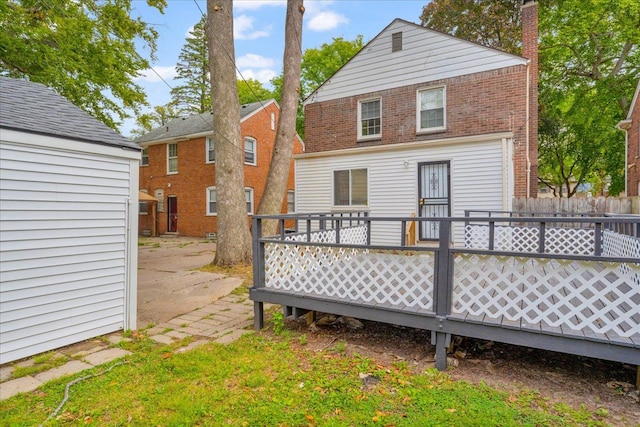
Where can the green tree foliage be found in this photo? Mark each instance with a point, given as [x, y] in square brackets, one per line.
[318, 64]
[84, 50]
[159, 116]
[589, 66]
[193, 94]
[493, 23]
[251, 90]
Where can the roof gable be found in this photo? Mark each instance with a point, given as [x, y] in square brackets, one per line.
[198, 124]
[426, 55]
[32, 107]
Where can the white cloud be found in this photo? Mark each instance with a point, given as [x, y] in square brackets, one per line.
[256, 4]
[189, 30]
[151, 76]
[326, 20]
[251, 60]
[264, 76]
[243, 29]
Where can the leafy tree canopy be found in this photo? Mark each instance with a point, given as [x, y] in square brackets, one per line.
[84, 50]
[589, 66]
[251, 90]
[493, 23]
[193, 94]
[159, 116]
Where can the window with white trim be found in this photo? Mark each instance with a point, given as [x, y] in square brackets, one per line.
[210, 152]
[291, 201]
[369, 118]
[172, 158]
[248, 197]
[250, 150]
[144, 160]
[431, 109]
[212, 200]
[350, 187]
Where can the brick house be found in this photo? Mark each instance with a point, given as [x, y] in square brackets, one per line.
[422, 122]
[632, 164]
[178, 169]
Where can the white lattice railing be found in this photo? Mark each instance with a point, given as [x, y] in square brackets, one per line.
[579, 295]
[620, 245]
[404, 280]
[352, 235]
[574, 241]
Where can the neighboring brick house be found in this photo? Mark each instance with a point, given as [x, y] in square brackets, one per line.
[178, 169]
[632, 164]
[422, 122]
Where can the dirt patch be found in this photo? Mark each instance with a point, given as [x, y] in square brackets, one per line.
[560, 378]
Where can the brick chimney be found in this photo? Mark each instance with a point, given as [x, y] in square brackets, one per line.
[530, 51]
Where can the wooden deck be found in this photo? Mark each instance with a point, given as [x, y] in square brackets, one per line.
[578, 303]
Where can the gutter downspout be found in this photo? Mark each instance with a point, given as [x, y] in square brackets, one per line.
[527, 134]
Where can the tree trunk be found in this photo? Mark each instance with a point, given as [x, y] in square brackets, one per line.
[234, 239]
[276, 185]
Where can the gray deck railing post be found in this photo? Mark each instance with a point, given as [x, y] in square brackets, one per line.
[543, 234]
[323, 222]
[492, 233]
[308, 230]
[442, 289]
[338, 224]
[597, 250]
[403, 236]
[258, 271]
[368, 223]
[282, 233]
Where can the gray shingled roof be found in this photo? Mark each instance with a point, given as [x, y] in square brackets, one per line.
[192, 125]
[32, 107]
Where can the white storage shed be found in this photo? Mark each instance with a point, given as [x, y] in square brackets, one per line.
[68, 223]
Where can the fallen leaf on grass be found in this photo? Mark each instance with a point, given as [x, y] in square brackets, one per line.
[512, 399]
[167, 355]
[451, 410]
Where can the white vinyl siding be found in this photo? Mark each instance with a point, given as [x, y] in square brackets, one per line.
[64, 246]
[478, 180]
[425, 56]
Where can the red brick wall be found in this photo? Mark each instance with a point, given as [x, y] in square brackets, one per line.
[480, 103]
[195, 175]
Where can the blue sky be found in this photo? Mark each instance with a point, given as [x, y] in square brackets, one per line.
[259, 33]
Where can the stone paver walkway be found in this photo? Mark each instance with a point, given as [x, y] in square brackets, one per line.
[222, 321]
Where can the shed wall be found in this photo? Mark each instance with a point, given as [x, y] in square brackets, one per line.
[64, 245]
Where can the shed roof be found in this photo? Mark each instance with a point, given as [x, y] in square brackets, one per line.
[195, 124]
[32, 107]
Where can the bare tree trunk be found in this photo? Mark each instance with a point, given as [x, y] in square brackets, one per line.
[234, 239]
[276, 185]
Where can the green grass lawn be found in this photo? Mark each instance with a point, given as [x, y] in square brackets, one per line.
[275, 381]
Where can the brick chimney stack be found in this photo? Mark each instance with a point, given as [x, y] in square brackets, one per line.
[530, 51]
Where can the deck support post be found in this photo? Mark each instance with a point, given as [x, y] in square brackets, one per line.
[258, 315]
[638, 377]
[441, 350]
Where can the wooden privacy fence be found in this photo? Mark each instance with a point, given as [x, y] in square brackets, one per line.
[598, 205]
[545, 286]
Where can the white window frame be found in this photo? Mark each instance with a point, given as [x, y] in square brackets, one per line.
[144, 155]
[333, 189]
[291, 201]
[374, 136]
[169, 158]
[419, 128]
[208, 211]
[254, 152]
[248, 191]
[209, 146]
